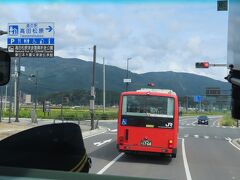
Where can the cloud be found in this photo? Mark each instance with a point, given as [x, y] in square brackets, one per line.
[159, 37]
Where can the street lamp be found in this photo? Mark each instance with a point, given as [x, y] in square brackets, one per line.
[127, 83]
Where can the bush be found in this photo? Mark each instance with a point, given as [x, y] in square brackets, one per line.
[227, 120]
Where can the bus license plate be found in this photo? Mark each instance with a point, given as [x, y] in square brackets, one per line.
[146, 143]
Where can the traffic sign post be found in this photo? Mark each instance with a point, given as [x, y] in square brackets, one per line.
[31, 39]
[198, 99]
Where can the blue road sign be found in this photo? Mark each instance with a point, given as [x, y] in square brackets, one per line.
[31, 39]
[30, 33]
[198, 98]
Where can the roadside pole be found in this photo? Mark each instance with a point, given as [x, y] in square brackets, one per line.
[92, 98]
[18, 90]
[103, 85]
[10, 102]
[15, 85]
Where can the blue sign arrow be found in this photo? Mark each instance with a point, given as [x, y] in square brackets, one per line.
[49, 28]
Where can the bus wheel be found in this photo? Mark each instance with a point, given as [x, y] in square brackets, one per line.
[174, 154]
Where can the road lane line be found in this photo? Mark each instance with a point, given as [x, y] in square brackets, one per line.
[206, 137]
[186, 135]
[110, 164]
[185, 162]
[196, 136]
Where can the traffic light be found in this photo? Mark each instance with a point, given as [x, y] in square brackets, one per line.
[202, 65]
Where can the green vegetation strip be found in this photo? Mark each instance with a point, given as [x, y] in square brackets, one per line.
[227, 120]
[68, 114]
[194, 113]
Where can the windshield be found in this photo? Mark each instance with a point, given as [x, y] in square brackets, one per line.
[155, 106]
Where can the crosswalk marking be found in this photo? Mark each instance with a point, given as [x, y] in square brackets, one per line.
[197, 136]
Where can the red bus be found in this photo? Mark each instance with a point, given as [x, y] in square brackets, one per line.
[148, 121]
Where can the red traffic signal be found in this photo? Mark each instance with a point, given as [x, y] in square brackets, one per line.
[202, 65]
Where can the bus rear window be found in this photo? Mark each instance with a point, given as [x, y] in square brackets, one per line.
[151, 106]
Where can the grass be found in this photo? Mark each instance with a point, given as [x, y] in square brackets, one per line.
[194, 113]
[68, 113]
[227, 120]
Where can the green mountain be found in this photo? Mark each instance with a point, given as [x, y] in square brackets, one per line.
[55, 75]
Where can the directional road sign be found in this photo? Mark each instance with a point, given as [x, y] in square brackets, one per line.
[198, 98]
[31, 39]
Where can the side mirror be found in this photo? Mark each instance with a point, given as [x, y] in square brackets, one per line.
[5, 64]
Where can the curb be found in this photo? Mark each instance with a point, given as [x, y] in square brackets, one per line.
[95, 132]
[236, 142]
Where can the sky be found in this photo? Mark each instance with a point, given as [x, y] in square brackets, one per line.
[157, 36]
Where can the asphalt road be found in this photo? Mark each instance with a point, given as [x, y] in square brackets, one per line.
[204, 152]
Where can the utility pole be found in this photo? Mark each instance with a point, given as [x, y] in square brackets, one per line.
[10, 102]
[92, 98]
[15, 85]
[103, 85]
[127, 83]
[36, 91]
[18, 90]
[186, 103]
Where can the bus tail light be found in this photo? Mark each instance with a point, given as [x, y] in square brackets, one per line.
[170, 144]
[121, 139]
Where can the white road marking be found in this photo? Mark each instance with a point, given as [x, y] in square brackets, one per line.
[94, 135]
[188, 124]
[193, 123]
[196, 136]
[230, 141]
[214, 123]
[114, 130]
[228, 138]
[101, 143]
[223, 126]
[186, 135]
[111, 133]
[206, 137]
[185, 162]
[110, 164]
